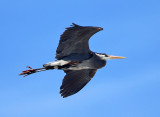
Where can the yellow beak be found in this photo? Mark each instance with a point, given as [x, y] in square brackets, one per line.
[115, 57]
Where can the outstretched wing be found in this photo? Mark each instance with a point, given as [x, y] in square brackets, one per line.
[74, 40]
[74, 81]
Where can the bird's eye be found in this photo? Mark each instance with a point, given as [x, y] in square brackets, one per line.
[106, 55]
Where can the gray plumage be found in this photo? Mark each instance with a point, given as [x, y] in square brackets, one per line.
[73, 46]
[75, 58]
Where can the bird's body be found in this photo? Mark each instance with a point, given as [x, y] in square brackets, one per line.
[76, 59]
[95, 61]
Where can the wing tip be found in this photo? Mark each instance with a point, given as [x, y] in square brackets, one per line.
[64, 94]
[73, 25]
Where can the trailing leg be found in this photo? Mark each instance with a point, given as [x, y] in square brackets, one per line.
[31, 71]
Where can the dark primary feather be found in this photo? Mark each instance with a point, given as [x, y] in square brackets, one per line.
[75, 40]
[74, 81]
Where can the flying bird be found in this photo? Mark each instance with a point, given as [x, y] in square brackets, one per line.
[75, 58]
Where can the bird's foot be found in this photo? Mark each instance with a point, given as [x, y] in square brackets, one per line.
[28, 72]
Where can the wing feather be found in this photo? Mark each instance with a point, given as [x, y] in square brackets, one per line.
[74, 40]
[74, 81]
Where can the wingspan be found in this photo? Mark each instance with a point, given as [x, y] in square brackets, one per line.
[74, 40]
[74, 81]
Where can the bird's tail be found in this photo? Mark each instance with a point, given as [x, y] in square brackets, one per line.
[31, 71]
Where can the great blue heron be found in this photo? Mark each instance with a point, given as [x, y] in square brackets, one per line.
[76, 59]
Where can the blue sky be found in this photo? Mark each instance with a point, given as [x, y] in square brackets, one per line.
[29, 35]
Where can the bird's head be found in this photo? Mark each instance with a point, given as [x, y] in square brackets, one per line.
[108, 57]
